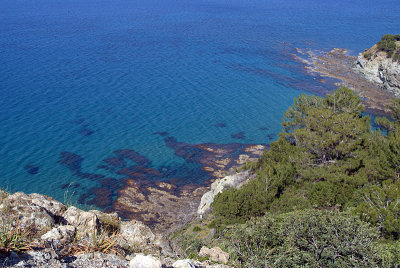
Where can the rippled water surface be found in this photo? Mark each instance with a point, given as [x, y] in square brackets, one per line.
[90, 87]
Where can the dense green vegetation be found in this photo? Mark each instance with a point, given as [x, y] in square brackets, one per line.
[327, 192]
[388, 44]
[308, 238]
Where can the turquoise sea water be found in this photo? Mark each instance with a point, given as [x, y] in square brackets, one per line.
[80, 79]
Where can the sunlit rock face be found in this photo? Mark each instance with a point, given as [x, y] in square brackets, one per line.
[375, 66]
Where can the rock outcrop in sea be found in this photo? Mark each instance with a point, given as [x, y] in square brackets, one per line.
[376, 66]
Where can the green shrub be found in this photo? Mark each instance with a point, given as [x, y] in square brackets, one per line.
[239, 205]
[191, 245]
[293, 198]
[389, 253]
[381, 207]
[396, 56]
[196, 229]
[318, 152]
[309, 238]
[368, 55]
[388, 44]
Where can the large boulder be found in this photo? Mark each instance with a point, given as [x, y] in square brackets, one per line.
[143, 261]
[86, 222]
[135, 234]
[233, 181]
[215, 254]
[30, 210]
[53, 207]
[162, 245]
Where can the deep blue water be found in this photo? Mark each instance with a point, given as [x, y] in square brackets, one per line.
[90, 77]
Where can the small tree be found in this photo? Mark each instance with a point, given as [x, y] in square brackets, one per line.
[330, 129]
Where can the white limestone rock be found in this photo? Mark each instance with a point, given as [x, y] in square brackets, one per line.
[84, 221]
[143, 261]
[236, 180]
[379, 69]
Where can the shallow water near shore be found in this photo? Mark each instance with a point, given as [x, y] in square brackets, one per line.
[94, 92]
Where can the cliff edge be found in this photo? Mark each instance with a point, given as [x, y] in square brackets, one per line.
[381, 63]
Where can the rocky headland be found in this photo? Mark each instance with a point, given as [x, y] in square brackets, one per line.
[373, 73]
[375, 65]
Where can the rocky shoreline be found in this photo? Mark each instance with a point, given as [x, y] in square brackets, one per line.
[143, 215]
[66, 236]
[165, 206]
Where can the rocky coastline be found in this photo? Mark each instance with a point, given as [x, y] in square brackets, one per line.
[145, 212]
[66, 236]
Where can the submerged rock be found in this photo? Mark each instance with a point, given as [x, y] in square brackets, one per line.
[240, 136]
[133, 156]
[158, 205]
[71, 161]
[102, 197]
[86, 132]
[31, 169]
[115, 162]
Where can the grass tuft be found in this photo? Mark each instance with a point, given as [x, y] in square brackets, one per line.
[13, 237]
[99, 241]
